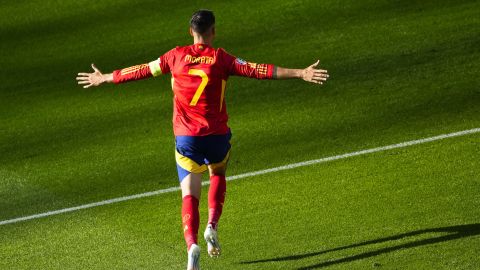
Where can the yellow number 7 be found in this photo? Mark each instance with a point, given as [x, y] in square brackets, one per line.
[201, 87]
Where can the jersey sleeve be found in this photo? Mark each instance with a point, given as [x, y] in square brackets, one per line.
[155, 68]
[132, 73]
[239, 67]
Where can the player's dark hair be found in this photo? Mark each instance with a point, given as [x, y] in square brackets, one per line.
[202, 20]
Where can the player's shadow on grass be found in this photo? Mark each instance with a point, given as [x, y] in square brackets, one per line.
[454, 232]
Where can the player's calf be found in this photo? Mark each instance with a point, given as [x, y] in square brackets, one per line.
[190, 220]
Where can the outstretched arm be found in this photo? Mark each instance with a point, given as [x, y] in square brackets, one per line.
[95, 78]
[243, 68]
[309, 74]
[128, 74]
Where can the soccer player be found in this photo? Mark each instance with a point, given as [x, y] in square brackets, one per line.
[199, 79]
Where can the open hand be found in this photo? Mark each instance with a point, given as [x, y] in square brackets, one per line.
[91, 79]
[311, 74]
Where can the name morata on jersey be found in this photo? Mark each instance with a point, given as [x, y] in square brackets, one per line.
[199, 79]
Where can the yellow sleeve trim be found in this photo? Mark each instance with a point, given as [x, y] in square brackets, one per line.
[155, 68]
[132, 69]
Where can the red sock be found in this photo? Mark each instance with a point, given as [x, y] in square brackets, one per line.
[216, 198]
[190, 219]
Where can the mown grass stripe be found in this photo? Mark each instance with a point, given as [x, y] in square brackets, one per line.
[245, 175]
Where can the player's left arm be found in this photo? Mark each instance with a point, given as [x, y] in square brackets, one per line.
[95, 78]
[133, 73]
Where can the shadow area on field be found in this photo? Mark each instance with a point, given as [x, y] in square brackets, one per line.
[453, 233]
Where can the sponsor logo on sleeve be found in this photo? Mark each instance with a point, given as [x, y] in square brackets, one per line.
[240, 61]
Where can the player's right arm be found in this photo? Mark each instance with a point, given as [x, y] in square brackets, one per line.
[308, 74]
[239, 67]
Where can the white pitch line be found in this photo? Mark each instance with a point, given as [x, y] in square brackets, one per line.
[245, 175]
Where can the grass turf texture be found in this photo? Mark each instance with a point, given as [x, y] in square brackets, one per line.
[309, 219]
[399, 71]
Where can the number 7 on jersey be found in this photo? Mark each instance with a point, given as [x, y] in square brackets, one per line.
[201, 87]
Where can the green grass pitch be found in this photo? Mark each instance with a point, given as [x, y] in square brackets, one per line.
[399, 71]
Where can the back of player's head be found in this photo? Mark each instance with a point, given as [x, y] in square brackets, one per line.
[202, 21]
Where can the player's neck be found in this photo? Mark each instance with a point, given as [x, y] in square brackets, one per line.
[202, 40]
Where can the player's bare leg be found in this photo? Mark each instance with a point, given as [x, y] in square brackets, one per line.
[216, 198]
[191, 187]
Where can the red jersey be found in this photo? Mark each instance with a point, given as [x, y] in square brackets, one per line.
[199, 79]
